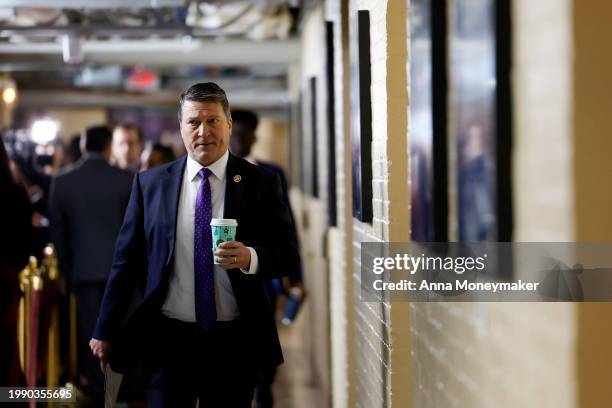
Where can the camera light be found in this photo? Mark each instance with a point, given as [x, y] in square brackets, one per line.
[44, 131]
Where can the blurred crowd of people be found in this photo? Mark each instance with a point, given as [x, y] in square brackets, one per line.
[73, 195]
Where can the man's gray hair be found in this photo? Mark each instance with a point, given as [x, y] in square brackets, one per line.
[205, 92]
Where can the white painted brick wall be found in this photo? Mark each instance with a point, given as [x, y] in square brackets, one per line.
[493, 355]
[504, 354]
[466, 355]
[317, 278]
[337, 238]
[372, 319]
[542, 109]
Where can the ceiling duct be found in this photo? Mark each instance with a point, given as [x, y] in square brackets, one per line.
[256, 20]
[91, 4]
[113, 31]
[172, 52]
[72, 50]
[104, 76]
[261, 3]
[137, 19]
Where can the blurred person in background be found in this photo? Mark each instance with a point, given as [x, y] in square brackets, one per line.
[73, 150]
[87, 203]
[127, 147]
[50, 157]
[243, 137]
[15, 247]
[158, 155]
[36, 165]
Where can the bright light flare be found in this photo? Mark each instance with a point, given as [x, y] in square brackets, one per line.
[9, 95]
[44, 131]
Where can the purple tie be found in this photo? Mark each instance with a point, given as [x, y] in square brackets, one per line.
[205, 307]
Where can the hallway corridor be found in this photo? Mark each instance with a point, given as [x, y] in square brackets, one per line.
[425, 185]
[295, 386]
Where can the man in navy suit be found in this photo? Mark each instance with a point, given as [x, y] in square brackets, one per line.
[86, 208]
[204, 330]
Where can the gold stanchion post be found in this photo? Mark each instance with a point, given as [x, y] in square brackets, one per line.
[53, 350]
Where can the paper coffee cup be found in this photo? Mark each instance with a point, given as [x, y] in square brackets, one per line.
[223, 230]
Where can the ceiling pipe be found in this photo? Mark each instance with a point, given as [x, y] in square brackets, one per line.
[72, 51]
[92, 4]
[173, 52]
[257, 98]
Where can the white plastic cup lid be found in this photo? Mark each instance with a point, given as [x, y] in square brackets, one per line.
[223, 222]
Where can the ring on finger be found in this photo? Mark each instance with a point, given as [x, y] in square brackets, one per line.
[234, 259]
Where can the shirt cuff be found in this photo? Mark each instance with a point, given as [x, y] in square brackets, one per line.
[254, 263]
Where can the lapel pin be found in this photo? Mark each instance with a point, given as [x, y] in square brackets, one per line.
[237, 178]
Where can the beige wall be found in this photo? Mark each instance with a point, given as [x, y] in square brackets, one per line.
[272, 143]
[398, 213]
[592, 172]
[6, 115]
[592, 110]
[316, 274]
[342, 322]
[542, 86]
[73, 121]
[383, 370]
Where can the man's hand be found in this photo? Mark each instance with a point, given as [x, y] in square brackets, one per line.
[100, 349]
[233, 254]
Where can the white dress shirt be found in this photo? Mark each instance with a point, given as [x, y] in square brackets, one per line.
[180, 302]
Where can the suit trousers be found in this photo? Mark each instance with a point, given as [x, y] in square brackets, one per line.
[264, 397]
[187, 363]
[88, 300]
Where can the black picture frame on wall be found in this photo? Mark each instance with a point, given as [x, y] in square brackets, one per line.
[505, 207]
[480, 102]
[314, 146]
[295, 148]
[439, 99]
[331, 126]
[361, 118]
[473, 107]
[302, 166]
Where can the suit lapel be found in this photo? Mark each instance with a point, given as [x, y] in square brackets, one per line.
[234, 189]
[171, 190]
[234, 194]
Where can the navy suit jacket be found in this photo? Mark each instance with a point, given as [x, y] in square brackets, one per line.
[86, 207]
[142, 263]
[295, 275]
